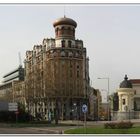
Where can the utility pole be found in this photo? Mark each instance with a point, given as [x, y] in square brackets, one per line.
[20, 62]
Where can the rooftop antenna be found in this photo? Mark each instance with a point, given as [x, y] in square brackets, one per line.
[20, 62]
[64, 12]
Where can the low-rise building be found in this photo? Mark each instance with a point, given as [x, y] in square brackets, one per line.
[18, 89]
[9, 85]
[95, 104]
[136, 87]
[105, 114]
[126, 100]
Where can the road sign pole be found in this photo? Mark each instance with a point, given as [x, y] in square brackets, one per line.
[84, 110]
[85, 123]
[16, 118]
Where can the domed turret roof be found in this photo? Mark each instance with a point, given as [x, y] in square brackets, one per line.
[125, 83]
[66, 21]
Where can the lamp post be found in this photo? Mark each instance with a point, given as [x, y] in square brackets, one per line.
[107, 78]
[96, 112]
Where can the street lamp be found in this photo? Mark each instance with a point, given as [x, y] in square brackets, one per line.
[107, 78]
[75, 111]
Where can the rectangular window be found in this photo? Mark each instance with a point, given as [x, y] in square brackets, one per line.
[77, 74]
[70, 91]
[70, 73]
[69, 44]
[70, 64]
[41, 73]
[63, 43]
[45, 110]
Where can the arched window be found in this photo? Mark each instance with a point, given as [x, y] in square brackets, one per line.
[123, 101]
[76, 54]
[63, 43]
[62, 30]
[59, 32]
[70, 54]
[69, 30]
[73, 31]
[62, 54]
[69, 44]
[56, 31]
[54, 54]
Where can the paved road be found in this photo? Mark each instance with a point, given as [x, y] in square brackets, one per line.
[51, 130]
[25, 131]
[34, 130]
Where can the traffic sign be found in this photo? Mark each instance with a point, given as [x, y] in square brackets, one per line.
[12, 106]
[84, 108]
[14, 109]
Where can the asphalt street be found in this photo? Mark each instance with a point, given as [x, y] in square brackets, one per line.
[26, 131]
[53, 130]
[34, 130]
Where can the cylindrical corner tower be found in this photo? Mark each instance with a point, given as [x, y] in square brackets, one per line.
[65, 32]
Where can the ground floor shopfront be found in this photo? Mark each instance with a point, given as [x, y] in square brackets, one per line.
[62, 108]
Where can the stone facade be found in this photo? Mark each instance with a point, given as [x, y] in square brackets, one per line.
[18, 89]
[125, 95]
[126, 99]
[57, 74]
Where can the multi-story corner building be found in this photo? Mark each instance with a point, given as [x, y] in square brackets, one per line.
[57, 73]
[7, 88]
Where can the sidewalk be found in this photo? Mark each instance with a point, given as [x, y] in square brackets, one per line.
[92, 123]
[54, 130]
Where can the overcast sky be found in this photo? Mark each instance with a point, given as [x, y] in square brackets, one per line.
[111, 34]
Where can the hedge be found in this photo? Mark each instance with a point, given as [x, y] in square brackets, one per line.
[118, 125]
